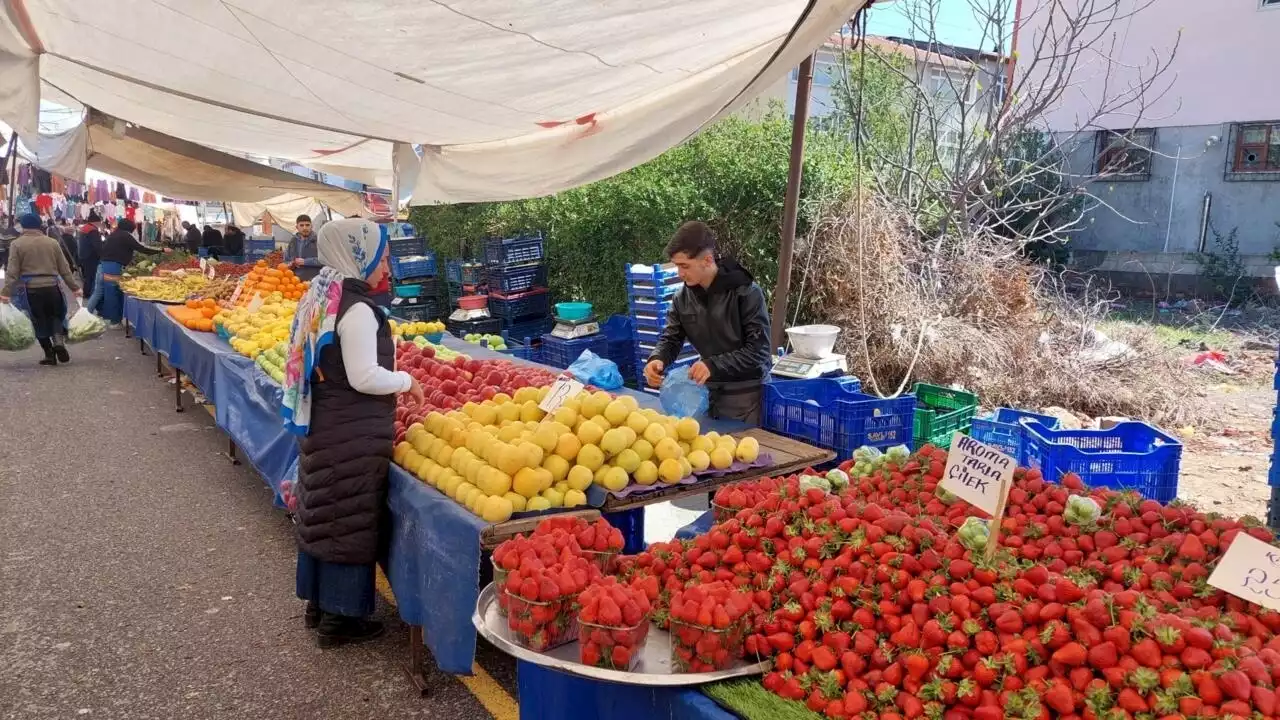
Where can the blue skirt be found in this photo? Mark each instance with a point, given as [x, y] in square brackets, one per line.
[338, 588]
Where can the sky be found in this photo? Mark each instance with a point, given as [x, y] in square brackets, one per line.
[957, 21]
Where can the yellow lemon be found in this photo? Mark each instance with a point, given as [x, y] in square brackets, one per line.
[530, 412]
[574, 498]
[616, 412]
[526, 482]
[699, 460]
[637, 422]
[721, 458]
[591, 457]
[557, 466]
[670, 471]
[628, 460]
[646, 474]
[538, 503]
[496, 509]
[567, 446]
[668, 449]
[613, 442]
[748, 449]
[655, 433]
[555, 498]
[566, 415]
[687, 429]
[643, 448]
[579, 477]
[590, 433]
[615, 479]
[517, 501]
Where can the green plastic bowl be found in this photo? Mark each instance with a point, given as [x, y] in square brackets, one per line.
[573, 310]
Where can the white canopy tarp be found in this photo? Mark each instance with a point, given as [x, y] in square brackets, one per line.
[284, 211]
[177, 168]
[510, 98]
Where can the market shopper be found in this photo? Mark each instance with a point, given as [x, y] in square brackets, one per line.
[301, 251]
[191, 237]
[721, 312]
[340, 397]
[211, 241]
[89, 249]
[36, 265]
[117, 254]
[233, 242]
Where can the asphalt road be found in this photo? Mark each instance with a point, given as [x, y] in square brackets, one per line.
[143, 576]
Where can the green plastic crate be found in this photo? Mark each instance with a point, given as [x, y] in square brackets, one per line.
[940, 412]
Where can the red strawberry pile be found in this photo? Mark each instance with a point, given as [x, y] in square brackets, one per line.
[865, 609]
[545, 573]
[707, 626]
[729, 499]
[615, 622]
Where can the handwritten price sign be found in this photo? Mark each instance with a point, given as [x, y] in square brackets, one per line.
[1250, 570]
[977, 473]
[561, 390]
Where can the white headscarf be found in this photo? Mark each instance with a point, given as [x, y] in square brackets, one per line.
[348, 249]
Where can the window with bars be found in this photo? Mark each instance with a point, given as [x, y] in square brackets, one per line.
[1257, 147]
[1125, 154]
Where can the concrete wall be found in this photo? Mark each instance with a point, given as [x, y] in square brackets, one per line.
[1135, 216]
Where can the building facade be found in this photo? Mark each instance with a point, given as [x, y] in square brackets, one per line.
[1201, 164]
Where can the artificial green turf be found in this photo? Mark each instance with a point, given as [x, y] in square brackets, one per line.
[748, 698]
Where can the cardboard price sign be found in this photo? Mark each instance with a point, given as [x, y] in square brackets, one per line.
[561, 390]
[978, 474]
[1250, 570]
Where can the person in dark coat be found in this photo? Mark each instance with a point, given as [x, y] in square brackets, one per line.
[233, 241]
[89, 247]
[192, 237]
[211, 240]
[340, 390]
[721, 312]
[117, 254]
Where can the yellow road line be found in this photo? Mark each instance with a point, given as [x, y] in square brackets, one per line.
[481, 684]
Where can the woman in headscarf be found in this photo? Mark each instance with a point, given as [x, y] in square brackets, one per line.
[340, 397]
[36, 264]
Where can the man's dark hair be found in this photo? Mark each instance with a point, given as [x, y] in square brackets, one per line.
[693, 238]
[302, 218]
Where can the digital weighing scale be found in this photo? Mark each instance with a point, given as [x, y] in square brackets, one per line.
[461, 315]
[811, 355]
[574, 329]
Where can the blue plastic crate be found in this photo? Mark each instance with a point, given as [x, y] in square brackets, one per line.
[406, 246]
[530, 303]
[516, 279]
[621, 345]
[481, 326]
[650, 321]
[657, 281]
[527, 329]
[1003, 429]
[233, 259]
[416, 313]
[423, 287]
[202, 252]
[558, 352]
[1129, 456]
[830, 413]
[257, 248]
[653, 292]
[464, 272]
[503, 252]
[413, 266]
[531, 352]
[646, 348]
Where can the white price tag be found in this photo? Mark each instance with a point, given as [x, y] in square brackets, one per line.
[235, 294]
[255, 304]
[204, 264]
[977, 473]
[562, 389]
[1250, 570]
[209, 272]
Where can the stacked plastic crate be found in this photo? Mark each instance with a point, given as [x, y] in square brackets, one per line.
[515, 273]
[415, 286]
[256, 248]
[650, 292]
[463, 277]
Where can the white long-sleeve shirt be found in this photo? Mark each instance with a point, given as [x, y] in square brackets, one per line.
[358, 333]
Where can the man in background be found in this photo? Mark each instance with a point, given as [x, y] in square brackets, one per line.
[191, 237]
[301, 252]
[721, 312]
[89, 249]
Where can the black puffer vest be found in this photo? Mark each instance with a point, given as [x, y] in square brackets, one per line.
[342, 470]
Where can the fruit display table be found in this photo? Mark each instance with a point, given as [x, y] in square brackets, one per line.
[435, 543]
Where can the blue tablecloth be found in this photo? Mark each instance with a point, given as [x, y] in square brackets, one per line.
[433, 562]
[552, 695]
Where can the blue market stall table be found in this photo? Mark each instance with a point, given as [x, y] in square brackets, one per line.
[435, 543]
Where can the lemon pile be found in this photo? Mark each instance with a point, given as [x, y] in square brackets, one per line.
[506, 455]
[411, 329]
[255, 332]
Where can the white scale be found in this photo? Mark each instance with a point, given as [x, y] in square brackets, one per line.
[461, 315]
[811, 355]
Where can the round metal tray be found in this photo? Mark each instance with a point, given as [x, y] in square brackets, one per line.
[654, 667]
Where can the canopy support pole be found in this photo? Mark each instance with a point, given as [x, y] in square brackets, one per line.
[11, 173]
[791, 203]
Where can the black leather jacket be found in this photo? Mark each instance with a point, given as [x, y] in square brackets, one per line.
[727, 324]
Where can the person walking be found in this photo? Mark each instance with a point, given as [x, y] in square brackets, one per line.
[340, 392]
[721, 311]
[89, 248]
[117, 254]
[37, 264]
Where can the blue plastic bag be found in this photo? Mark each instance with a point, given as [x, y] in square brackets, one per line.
[591, 369]
[682, 397]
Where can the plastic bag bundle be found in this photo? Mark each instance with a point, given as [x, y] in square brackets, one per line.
[84, 325]
[681, 396]
[591, 369]
[16, 330]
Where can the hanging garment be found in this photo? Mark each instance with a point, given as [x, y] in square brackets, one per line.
[133, 194]
[59, 185]
[121, 193]
[149, 197]
[43, 181]
[44, 204]
[24, 175]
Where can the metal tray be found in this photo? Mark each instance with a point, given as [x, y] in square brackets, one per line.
[653, 669]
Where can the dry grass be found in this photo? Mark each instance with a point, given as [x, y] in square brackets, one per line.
[971, 312]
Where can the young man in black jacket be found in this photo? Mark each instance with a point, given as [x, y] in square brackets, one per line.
[721, 312]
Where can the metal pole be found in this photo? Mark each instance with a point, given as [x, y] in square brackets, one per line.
[11, 169]
[791, 203]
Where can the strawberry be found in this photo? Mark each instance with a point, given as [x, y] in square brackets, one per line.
[1072, 654]
[1235, 684]
[1103, 655]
